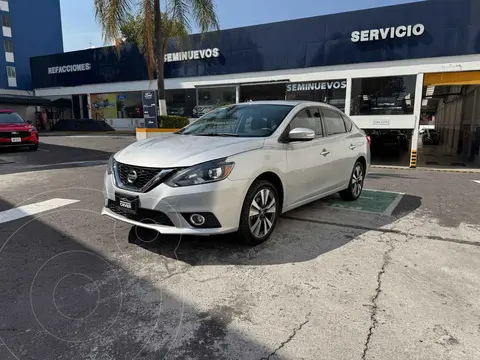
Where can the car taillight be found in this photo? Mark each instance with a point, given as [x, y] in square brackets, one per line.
[369, 140]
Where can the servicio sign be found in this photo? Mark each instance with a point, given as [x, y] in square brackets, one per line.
[325, 85]
[388, 33]
[69, 68]
[192, 55]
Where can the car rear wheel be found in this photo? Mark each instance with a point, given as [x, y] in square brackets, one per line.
[33, 147]
[355, 187]
[260, 212]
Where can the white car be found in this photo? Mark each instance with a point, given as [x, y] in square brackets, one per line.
[237, 169]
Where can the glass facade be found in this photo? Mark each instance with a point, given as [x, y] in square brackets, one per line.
[181, 102]
[331, 92]
[210, 98]
[117, 105]
[393, 95]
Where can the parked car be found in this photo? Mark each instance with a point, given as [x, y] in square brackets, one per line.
[430, 137]
[237, 169]
[14, 131]
[390, 140]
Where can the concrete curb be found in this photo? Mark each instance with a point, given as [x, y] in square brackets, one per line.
[462, 171]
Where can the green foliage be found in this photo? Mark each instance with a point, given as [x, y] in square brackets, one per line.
[223, 103]
[172, 122]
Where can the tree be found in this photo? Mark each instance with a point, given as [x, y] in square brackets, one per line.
[150, 27]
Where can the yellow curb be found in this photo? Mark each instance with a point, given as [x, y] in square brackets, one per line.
[154, 130]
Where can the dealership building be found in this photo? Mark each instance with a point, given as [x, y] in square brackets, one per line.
[390, 68]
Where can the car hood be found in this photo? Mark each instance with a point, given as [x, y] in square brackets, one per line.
[15, 127]
[184, 150]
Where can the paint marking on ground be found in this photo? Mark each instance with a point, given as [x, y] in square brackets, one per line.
[371, 201]
[33, 209]
[477, 181]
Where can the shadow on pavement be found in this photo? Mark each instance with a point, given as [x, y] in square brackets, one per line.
[49, 157]
[391, 175]
[62, 299]
[294, 240]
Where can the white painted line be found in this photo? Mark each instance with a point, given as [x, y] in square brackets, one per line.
[32, 209]
[477, 181]
[389, 210]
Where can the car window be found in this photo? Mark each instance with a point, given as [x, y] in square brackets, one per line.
[333, 121]
[240, 120]
[315, 112]
[348, 123]
[304, 120]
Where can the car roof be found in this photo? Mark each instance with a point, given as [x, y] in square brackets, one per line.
[289, 102]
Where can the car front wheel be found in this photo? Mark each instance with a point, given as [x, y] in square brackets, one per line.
[260, 212]
[355, 185]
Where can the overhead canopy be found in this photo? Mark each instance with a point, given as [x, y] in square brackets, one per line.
[452, 78]
[23, 100]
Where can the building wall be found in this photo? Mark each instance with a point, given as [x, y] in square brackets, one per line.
[36, 29]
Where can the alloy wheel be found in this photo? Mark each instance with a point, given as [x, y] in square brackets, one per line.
[357, 180]
[263, 210]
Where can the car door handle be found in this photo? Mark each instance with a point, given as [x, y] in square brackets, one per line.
[352, 146]
[325, 152]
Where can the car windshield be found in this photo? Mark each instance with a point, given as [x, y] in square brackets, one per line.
[10, 118]
[239, 120]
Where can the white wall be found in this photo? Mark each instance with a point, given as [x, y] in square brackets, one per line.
[125, 123]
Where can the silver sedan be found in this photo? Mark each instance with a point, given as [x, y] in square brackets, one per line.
[237, 169]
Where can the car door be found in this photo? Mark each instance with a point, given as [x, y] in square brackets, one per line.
[304, 159]
[339, 162]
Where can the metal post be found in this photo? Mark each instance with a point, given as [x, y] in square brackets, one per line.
[417, 109]
[89, 106]
[237, 94]
[348, 96]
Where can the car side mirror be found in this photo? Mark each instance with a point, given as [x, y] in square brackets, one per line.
[301, 134]
[29, 122]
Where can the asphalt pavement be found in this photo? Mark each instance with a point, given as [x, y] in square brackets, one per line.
[394, 276]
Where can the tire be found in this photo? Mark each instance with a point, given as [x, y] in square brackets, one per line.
[355, 186]
[256, 229]
[33, 147]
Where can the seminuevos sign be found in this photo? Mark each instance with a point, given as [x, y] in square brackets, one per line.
[69, 68]
[325, 85]
[192, 55]
[388, 33]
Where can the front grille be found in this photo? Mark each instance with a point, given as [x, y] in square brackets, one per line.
[144, 175]
[145, 216]
[8, 134]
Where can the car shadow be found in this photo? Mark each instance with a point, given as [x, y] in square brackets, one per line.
[296, 238]
[66, 295]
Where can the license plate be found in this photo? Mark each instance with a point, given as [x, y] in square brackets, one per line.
[127, 203]
[16, 139]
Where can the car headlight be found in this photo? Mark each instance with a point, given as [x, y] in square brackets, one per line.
[110, 165]
[208, 172]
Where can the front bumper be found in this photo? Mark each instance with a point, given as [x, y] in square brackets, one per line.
[166, 209]
[25, 141]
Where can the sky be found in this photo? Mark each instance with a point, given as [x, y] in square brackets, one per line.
[80, 30]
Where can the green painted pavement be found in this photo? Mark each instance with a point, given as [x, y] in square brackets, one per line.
[373, 201]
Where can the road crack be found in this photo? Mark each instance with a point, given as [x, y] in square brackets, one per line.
[378, 290]
[290, 338]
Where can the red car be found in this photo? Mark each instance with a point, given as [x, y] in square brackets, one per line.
[14, 131]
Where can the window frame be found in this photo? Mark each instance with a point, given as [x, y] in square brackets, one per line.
[5, 42]
[6, 16]
[323, 108]
[14, 71]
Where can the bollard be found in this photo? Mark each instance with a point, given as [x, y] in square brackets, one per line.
[413, 159]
